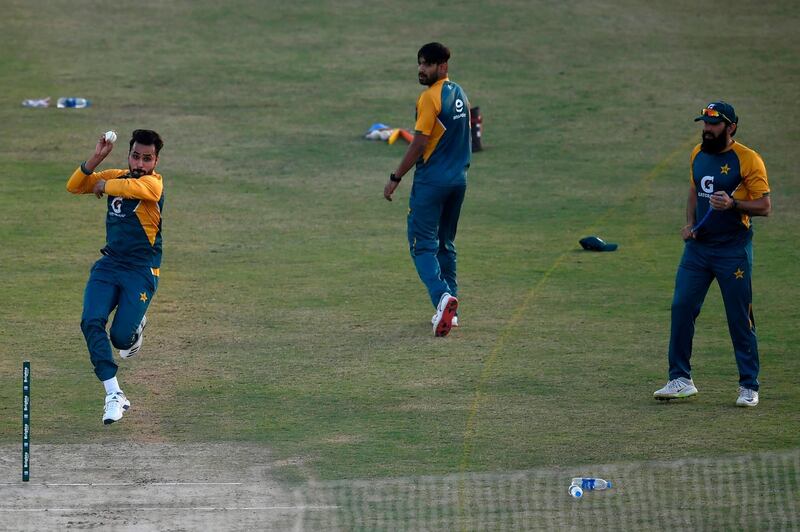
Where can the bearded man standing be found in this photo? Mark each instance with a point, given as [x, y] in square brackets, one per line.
[728, 186]
[440, 152]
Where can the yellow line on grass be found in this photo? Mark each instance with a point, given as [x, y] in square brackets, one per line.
[512, 324]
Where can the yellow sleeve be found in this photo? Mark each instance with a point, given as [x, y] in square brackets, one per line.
[754, 175]
[695, 151]
[428, 109]
[80, 183]
[147, 187]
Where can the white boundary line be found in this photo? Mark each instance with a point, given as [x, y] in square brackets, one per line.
[106, 484]
[173, 508]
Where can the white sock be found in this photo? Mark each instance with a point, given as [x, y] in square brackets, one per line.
[112, 386]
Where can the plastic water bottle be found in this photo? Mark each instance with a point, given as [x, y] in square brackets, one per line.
[591, 484]
[73, 103]
[36, 102]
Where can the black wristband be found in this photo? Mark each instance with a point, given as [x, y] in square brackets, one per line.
[84, 170]
[394, 178]
[735, 204]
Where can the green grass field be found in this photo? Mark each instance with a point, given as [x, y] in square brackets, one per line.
[289, 313]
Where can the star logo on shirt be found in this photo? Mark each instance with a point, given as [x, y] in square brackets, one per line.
[739, 273]
[143, 297]
[725, 169]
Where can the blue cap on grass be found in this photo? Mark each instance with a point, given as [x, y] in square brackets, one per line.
[595, 243]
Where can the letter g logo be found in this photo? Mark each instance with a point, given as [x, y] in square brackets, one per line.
[707, 184]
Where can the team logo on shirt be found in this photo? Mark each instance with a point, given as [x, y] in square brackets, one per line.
[707, 184]
[459, 109]
[115, 207]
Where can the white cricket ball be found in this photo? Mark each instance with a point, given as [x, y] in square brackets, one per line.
[111, 137]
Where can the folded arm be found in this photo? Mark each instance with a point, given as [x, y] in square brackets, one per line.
[147, 187]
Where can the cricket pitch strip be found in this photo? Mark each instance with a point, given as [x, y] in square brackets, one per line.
[137, 486]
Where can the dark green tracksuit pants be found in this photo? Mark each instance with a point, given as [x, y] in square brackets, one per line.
[432, 223]
[731, 266]
[111, 285]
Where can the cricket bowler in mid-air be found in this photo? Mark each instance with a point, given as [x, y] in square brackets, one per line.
[126, 276]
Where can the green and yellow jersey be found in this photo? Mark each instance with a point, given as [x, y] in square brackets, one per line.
[133, 222]
[741, 173]
[443, 115]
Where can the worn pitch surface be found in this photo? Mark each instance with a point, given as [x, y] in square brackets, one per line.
[148, 487]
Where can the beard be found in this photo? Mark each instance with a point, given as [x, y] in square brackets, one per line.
[137, 173]
[712, 144]
[428, 80]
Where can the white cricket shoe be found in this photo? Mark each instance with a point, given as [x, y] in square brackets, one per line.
[747, 397]
[116, 405]
[455, 320]
[445, 312]
[679, 388]
[132, 350]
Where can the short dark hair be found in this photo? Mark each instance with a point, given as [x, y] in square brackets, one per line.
[147, 137]
[434, 52]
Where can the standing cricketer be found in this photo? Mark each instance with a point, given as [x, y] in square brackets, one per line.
[441, 150]
[728, 187]
[126, 276]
